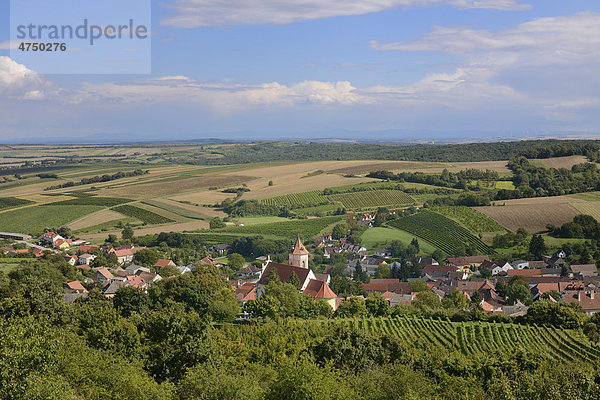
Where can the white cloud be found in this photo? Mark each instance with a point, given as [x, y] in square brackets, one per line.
[558, 40]
[195, 13]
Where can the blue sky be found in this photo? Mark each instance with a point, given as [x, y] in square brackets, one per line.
[272, 69]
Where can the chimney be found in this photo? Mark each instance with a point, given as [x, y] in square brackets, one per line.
[579, 295]
[592, 294]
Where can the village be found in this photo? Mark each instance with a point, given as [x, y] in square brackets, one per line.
[494, 287]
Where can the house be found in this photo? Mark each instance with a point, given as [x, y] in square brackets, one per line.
[586, 298]
[469, 261]
[525, 272]
[398, 298]
[111, 288]
[248, 270]
[133, 269]
[124, 255]
[520, 264]
[556, 261]
[71, 297]
[383, 252]
[162, 262]
[220, 249]
[136, 282]
[551, 271]
[423, 261]
[14, 236]
[148, 277]
[439, 271]
[538, 290]
[517, 310]
[50, 238]
[331, 250]
[578, 271]
[387, 285]
[71, 260]
[320, 290]
[245, 292]
[75, 287]
[184, 269]
[86, 258]
[102, 275]
[61, 244]
[210, 260]
[87, 248]
[83, 266]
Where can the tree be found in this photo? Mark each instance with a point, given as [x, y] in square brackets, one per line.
[236, 261]
[427, 300]
[352, 307]
[518, 289]
[127, 233]
[129, 300]
[383, 271]
[359, 275]
[456, 300]
[65, 232]
[561, 315]
[377, 305]
[270, 183]
[339, 231]
[147, 257]
[295, 281]
[537, 246]
[216, 223]
[415, 244]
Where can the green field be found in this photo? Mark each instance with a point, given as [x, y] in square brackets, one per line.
[471, 219]
[92, 201]
[312, 198]
[316, 210]
[248, 221]
[440, 231]
[33, 220]
[12, 202]
[143, 215]
[110, 226]
[306, 228]
[508, 185]
[373, 198]
[183, 212]
[375, 238]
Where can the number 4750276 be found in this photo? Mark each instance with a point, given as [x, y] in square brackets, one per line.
[25, 46]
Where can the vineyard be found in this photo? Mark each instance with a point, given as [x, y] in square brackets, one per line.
[353, 196]
[143, 215]
[474, 337]
[312, 198]
[12, 202]
[471, 219]
[373, 198]
[440, 231]
[92, 201]
[288, 229]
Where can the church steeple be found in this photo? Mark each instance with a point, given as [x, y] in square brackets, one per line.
[299, 256]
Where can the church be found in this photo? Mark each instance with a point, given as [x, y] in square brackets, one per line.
[313, 285]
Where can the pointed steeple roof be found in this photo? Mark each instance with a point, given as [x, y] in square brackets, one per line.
[299, 248]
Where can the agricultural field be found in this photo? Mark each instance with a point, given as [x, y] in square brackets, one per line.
[12, 202]
[472, 338]
[306, 228]
[471, 219]
[101, 217]
[530, 215]
[440, 231]
[374, 198]
[378, 237]
[311, 198]
[92, 201]
[143, 215]
[33, 220]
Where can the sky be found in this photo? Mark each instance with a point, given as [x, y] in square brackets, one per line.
[366, 69]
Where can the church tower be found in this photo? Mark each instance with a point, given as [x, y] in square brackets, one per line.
[299, 256]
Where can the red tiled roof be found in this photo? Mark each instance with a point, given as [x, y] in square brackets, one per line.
[439, 268]
[135, 281]
[76, 285]
[284, 271]
[83, 266]
[87, 248]
[524, 272]
[462, 261]
[162, 263]
[319, 290]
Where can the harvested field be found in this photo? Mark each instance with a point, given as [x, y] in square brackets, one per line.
[180, 227]
[588, 208]
[562, 162]
[152, 190]
[411, 166]
[95, 219]
[531, 216]
[209, 197]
